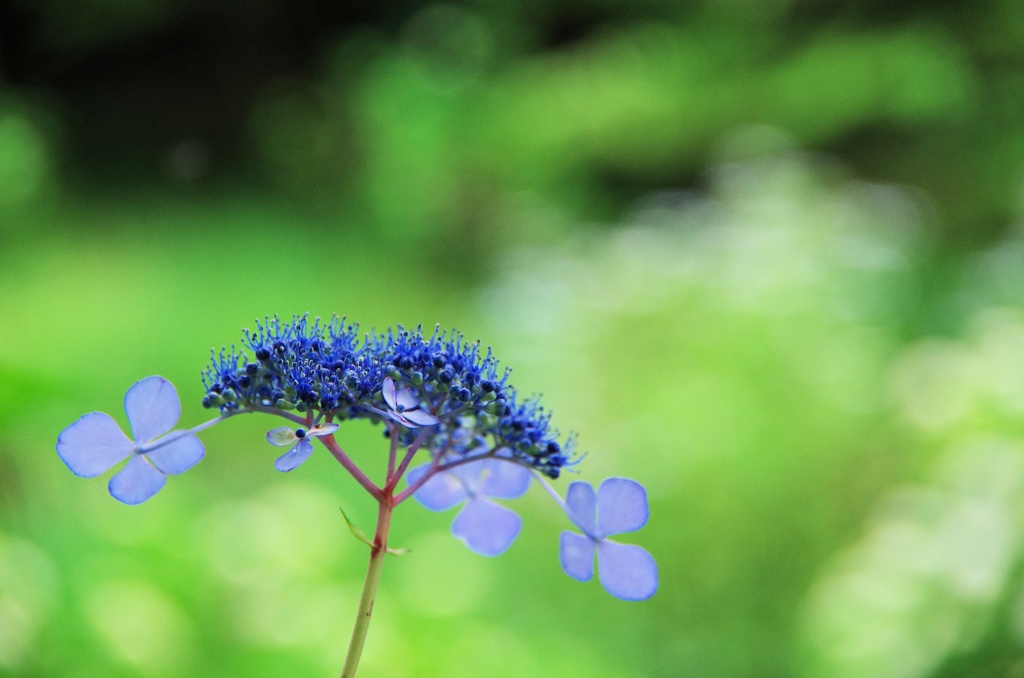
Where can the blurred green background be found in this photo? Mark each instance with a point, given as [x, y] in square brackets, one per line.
[765, 258]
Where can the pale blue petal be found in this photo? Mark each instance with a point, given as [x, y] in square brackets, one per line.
[373, 409]
[486, 528]
[153, 408]
[406, 399]
[627, 572]
[440, 493]
[576, 553]
[177, 455]
[416, 472]
[582, 506]
[388, 390]
[504, 479]
[394, 416]
[294, 457]
[503, 453]
[136, 482]
[322, 430]
[470, 474]
[93, 444]
[281, 437]
[621, 506]
[420, 417]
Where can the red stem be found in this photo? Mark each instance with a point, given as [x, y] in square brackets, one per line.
[331, 444]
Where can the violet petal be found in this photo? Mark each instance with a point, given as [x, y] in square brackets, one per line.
[420, 417]
[294, 457]
[136, 482]
[581, 504]
[621, 506]
[576, 554]
[440, 493]
[93, 444]
[388, 390]
[504, 479]
[153, 408]
[178, 455]
[486, 528]
[626, 571]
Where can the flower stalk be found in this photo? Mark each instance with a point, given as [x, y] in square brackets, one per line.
[377, 553]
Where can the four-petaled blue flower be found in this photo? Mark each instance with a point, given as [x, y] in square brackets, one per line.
[627, 572]
[485, 527]
[404, 406]
[303, 447]
[95, 443]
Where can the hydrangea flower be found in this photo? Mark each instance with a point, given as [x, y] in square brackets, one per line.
[482, 525]
[95, 443]
[404, 406]
[331, 370]
[302, 448]
[438, 395]
[620, 505]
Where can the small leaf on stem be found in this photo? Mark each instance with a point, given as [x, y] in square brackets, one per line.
[358, 533]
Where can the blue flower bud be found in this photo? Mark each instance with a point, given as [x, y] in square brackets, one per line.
[310, 366]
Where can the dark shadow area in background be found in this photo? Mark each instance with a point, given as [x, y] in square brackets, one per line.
[172, 83]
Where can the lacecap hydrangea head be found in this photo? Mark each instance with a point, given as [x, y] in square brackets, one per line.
[437, 396]
[438, 380]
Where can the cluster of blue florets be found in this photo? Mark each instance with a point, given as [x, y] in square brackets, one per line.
[333, 372]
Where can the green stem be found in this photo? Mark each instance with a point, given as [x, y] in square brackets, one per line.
[377, 554]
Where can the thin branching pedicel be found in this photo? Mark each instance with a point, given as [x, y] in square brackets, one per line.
[439, 397]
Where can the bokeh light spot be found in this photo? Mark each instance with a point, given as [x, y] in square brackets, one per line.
[28, 581]
[447, 578]
[141, 626]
